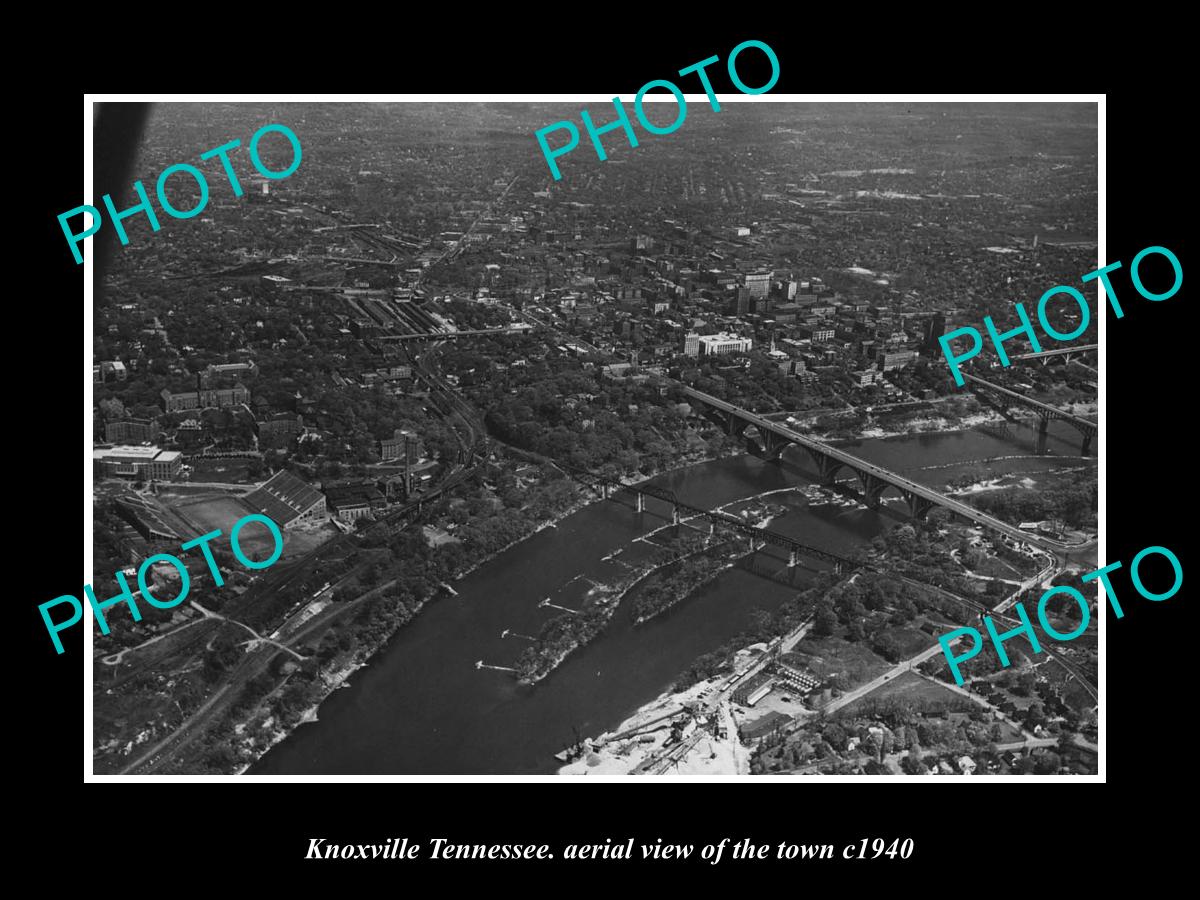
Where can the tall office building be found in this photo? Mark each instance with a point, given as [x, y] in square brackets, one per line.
[691, 344]
[743, 302]
[935, 327]
[758, 283]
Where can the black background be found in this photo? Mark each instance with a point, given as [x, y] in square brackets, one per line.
[966, 835]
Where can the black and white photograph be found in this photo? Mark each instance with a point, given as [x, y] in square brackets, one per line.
[548, 450]
[581, 439]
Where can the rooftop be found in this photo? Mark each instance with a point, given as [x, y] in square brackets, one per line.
[283, 497]
[125, 451]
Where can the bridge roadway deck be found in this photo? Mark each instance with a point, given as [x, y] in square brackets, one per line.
[764, 534]
[854, 462]
[713, 515]
[1052, 411]
[1061, 351]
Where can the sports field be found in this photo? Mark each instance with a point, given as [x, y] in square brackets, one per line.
[219, 511]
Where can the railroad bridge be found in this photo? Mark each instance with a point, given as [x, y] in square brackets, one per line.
[1046, 412]
[795, 548]
[1066, 354]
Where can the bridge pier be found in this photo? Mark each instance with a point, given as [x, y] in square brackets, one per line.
[918, 507]
[756, 538]
[1085, 450]
[773, 445]
[873, 489]
[1044, 411]
[827, 467]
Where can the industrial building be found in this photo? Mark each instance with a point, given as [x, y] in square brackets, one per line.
[403, 444]
[355, 501]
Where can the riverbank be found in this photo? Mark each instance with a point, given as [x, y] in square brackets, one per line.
[591, 620]
[924, 425]
[599, 611]
[551, 522]
[686, 460]
[425, 708]
[279, 733]
[331, 681]
[992, 484]
[643, 734]
[646, 608]
[339, 673]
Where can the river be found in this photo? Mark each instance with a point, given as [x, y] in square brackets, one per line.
[422, 707]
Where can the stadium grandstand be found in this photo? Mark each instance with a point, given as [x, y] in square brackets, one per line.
[287, 500]
[144, 518]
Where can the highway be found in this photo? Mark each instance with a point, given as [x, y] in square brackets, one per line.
[998, 615]
[936, 650]
[899, 669]
[854, 462]
[936, 497]
[907, 665]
